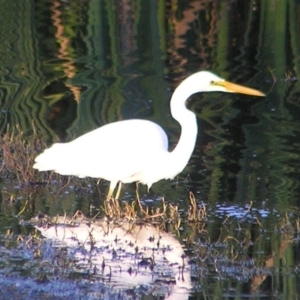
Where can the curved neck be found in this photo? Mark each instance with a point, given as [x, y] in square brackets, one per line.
[187, 120]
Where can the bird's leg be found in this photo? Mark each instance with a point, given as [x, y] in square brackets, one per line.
[118, 191]
[137, 191]
[115, 200]
[109, 195]
[111, 190]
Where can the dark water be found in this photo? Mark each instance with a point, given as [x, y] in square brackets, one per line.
[68, 67]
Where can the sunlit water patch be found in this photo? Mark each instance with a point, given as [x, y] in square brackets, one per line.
[240, 212]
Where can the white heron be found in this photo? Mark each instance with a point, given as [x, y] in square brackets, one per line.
[137, 150]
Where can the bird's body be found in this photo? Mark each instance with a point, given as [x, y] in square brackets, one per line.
[136, 150]
[109, 157]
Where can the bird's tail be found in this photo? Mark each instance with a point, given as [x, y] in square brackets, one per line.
[50, 159]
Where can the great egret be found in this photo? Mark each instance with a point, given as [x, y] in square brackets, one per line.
[137, 150]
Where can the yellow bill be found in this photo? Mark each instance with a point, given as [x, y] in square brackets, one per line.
[236, 88]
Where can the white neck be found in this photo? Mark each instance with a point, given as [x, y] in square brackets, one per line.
[187, 120]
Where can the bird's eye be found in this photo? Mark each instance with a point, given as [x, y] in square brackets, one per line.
[212, 82]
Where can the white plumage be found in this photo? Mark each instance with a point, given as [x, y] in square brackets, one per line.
[136, 150]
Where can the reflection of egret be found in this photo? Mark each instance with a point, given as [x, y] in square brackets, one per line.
[125, 255]
[136, 150]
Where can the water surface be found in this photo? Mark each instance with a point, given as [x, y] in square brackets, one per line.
[70, 67]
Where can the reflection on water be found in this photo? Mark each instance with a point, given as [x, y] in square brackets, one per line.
[124, 255]
[236, 251]
[68, 67]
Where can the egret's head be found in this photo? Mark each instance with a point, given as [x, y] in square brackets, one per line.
[205, 81]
